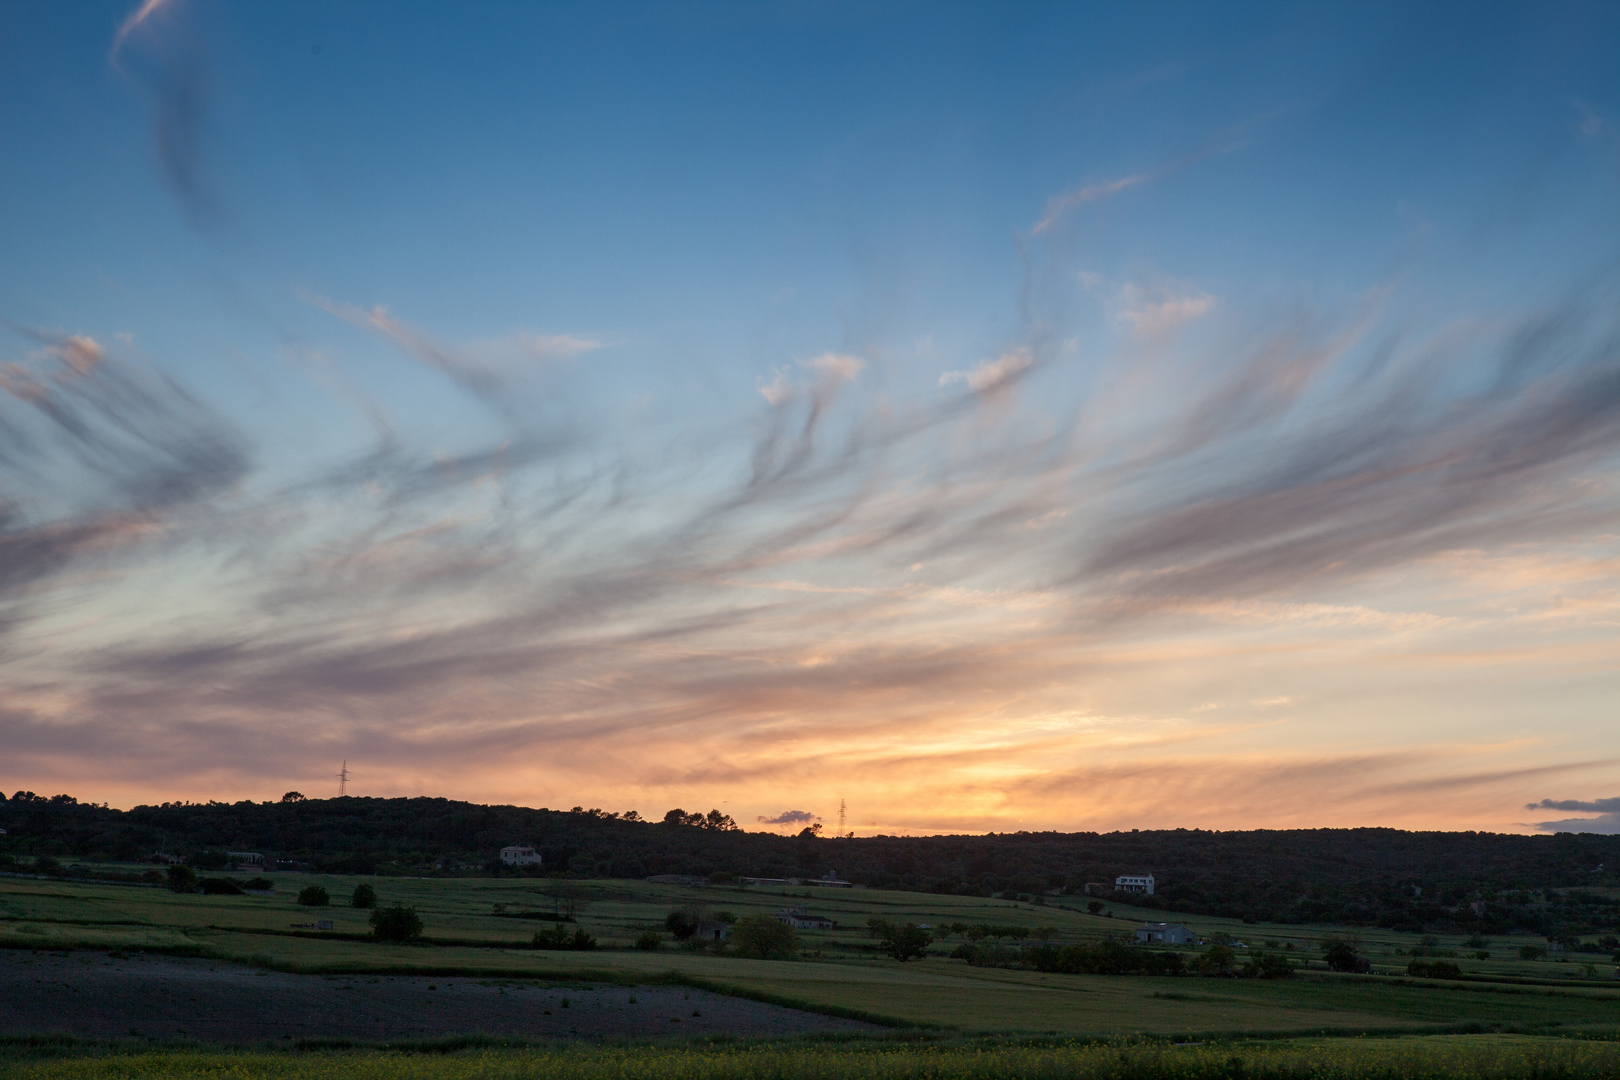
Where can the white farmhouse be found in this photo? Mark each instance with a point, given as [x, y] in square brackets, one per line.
[800, 919]
[519, 856]
[1142, 883]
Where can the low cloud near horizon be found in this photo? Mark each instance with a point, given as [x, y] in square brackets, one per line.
[1606, 819]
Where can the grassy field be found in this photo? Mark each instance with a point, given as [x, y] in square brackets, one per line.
[1485, 1057]
[469, 931]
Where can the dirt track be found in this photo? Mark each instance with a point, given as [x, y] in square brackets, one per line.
[94, 995]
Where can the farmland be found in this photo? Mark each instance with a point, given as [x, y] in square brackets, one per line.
[474, 927]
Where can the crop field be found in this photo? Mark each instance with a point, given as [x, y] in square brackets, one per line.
[483, 927]
[1484, 1057]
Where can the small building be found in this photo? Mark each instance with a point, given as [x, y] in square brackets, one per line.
[519, 855]
[831, 880]
[1138, 883]
[800, 919]
[1163, 933]
[757, 881]
[712, 930]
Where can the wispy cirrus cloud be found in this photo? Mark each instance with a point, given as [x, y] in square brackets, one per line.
[957, 570]
[1058, 206]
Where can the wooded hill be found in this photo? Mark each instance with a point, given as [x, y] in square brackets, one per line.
[1486, 882]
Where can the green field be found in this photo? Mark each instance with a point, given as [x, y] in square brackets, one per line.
[469, 931]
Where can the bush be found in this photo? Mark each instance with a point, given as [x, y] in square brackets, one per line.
[364, 897]
[259, 884]
[314, 896]
[764, 937]
[44, 864]
[559, 938]
[396, 924]
[648, 942]
[1532, 952]
[1084, 958]
[180, 879]
[1433, 969]
[1268, 966]
[218, 886]
[683, 923]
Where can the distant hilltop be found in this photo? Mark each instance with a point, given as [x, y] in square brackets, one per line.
[1492, 883]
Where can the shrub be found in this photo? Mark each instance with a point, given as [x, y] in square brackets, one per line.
[181, 879]
[1532, 952]
[1433, 969]
[218, 886]
[1268, 966]
[648, 941]
[559, 938]
[764, 937]
[44, 864]
[364, 897]
[259, 884]
[314, 896]
[683, 923]
[396, 924]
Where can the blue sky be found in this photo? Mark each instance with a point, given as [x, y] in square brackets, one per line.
[1075, 416]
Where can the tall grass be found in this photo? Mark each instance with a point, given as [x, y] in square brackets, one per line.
[1435, 1058]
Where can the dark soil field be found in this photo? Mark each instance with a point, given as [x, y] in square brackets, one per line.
[98, 995]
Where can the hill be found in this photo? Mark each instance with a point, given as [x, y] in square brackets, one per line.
[1488, 883]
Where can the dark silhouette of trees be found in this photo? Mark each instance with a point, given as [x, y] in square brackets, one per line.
[396, 924]
[763, 937]
[314, 896]
[906, 942]
[364, 896]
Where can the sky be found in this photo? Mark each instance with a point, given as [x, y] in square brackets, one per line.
[996, 417]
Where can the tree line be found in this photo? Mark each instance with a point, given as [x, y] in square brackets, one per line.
[1432, 881]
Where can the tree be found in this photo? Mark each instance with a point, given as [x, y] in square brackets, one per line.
[396, 924]
[719, 822]
[906, 942]
[181, 879]
[1341, 954]
[293, 796]
[682, 922]
[764, 937]
[364, 897]
[678, 816]
[811, 831]
[314, 896]
[1217, 961]
[1095, 907]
